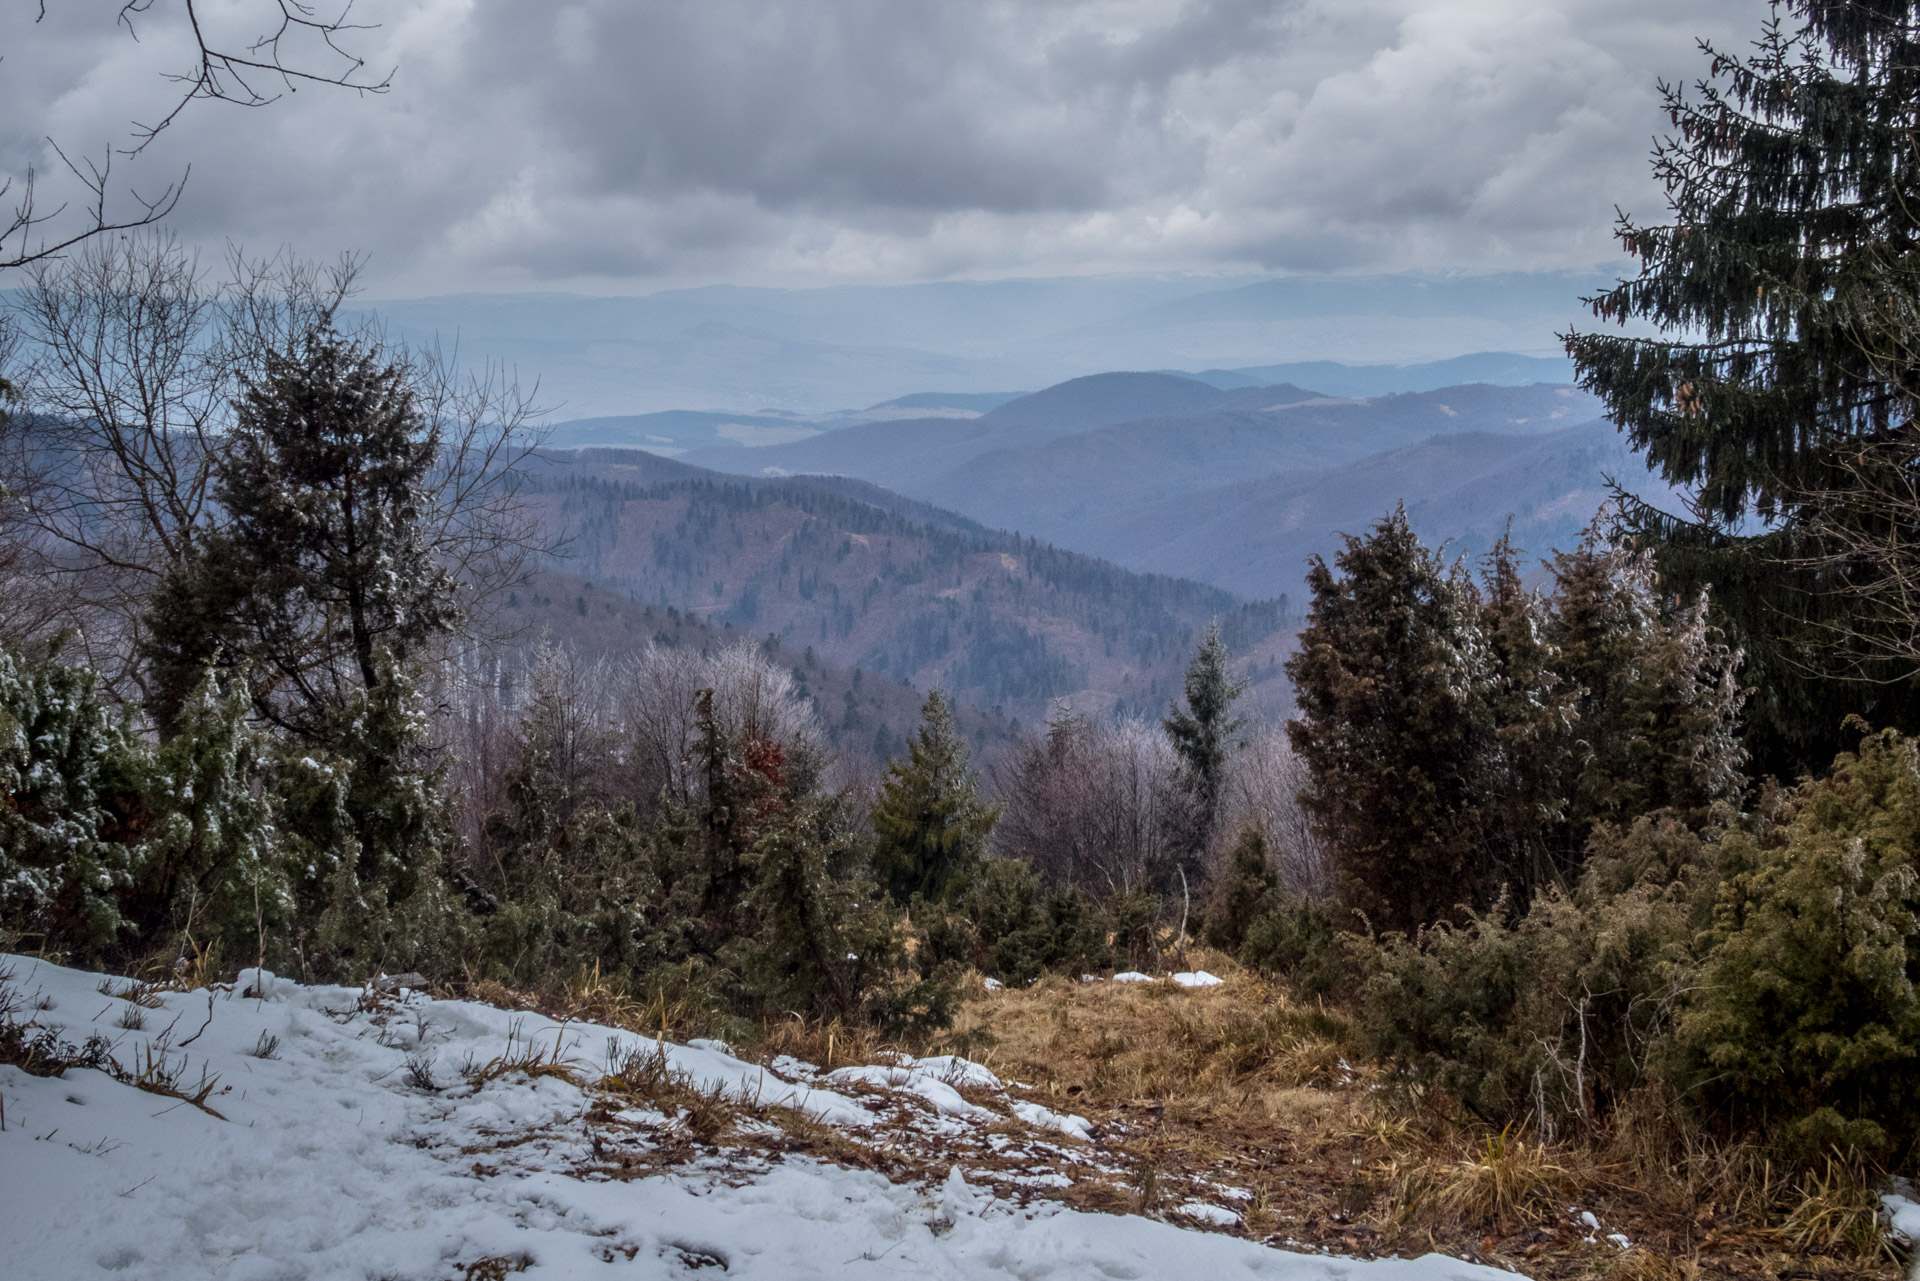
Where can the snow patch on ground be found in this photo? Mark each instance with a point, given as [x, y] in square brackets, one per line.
[362, 1138]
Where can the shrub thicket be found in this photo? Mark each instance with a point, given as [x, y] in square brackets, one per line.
[1803, 1021]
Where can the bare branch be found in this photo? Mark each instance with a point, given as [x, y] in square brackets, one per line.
[295, 45]
[229, 74]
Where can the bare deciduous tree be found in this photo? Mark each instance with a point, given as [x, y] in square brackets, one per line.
[1860, 541]
[753, 701]
[1102, 807]
[133, 359]
[1263, 785]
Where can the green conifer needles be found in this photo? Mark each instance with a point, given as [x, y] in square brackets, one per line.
[930, 823]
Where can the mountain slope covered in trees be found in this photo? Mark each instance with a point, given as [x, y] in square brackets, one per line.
[999, 620]
[1255, 536]
[861, 716]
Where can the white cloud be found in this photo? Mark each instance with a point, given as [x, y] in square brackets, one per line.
[607, 145]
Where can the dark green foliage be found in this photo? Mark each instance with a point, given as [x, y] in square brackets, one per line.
[1542, 1019]
[1465, 741]
[1135, 921]
[1805, 1022]
[1298, 939]
[321, 581]
[70, 778]
[1203, 731]
[829, 946]
[1021, 931]
[1783, 279]
[1763, 975]
[211, 870]
[741, 874]
[930, 823]
[1245, 890]
[321, 589]
[1651, 694]
[1393, 728]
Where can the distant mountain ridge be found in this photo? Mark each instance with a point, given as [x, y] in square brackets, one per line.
[1461, 490]
[1501, 368]
[815, 351]
[866, 578]
[1076, 462]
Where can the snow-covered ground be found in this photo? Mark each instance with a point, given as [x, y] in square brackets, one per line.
[348, 1135]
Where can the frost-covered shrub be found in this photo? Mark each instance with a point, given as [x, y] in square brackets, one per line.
[70, 779]
[210, 869]
[1102, 807]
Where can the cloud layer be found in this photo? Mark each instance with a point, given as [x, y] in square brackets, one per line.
[608, 145]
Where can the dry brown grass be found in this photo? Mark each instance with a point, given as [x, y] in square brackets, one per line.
[1837, 1211]
[524, 1057]
[1243, 1085]
[1503, 1184]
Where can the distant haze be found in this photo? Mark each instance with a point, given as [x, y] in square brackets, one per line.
[817, 351]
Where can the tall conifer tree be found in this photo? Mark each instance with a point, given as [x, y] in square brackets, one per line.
[1790, 244]
[1395, 728]
[930, 820]
[1203, 731]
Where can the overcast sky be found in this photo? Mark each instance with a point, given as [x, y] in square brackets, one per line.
[618, 146]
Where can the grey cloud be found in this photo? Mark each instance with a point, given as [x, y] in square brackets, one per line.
[614, 145]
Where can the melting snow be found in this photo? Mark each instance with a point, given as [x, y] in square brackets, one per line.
[352, 1143]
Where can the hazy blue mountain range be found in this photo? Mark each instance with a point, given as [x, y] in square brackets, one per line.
[858, 576]
[905, 454]
[1502, 368]
[1254, 537]
[1235, 487]
[818, 352]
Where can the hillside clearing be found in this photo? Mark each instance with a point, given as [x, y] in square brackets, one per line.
[337, 1132]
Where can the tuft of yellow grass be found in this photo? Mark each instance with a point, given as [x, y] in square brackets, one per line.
[1837, 1212]
[1243, 1047]
[523, 1057]
[1503, 1184]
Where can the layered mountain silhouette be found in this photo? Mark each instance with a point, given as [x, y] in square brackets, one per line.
[859, 576]
[1169, 474]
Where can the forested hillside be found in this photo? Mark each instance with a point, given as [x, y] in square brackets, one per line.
[1236, 487]
[864, 718]
[1464, 490]
[999, 620]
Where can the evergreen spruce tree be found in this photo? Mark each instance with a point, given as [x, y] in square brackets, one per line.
[1394, 728]
[1529, 705]
[1245, 891]
[321, 588]
[1203, 731]
[211, 871]
[1782, 279]
[321, 581]
[930, 823]
[1655, 708]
